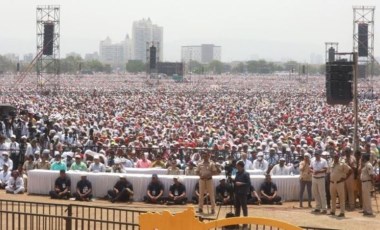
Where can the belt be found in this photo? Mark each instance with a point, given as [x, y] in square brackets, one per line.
[365, 181]
[207, 178]
[318, 177]
[336, 182]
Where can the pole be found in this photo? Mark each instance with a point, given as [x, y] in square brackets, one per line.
[355, 78]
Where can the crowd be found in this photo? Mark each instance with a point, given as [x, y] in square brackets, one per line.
[109, 123]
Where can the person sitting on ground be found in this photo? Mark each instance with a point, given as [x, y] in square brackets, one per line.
[252, 196]
[62, 187]
[155, 191]
[15, 184]
[83, 189]
[190, 169]
[177, 192]
[223, 193]
[122, 191]
[173, 169]
[5, 175]
[195, 198]
[78, 165]
[268, 191]
[97, 166]
[280, 168]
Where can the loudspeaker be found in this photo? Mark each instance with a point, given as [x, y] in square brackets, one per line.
[303, 69]
[331, 54]
[18, 67]
[339, 77]
[48, 39]
[152, 57]
[363, 39]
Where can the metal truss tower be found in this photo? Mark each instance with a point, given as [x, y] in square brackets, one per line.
[363, 40]
[48, 47]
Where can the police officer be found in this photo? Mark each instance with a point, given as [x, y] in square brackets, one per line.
[206, 169]
[339, 172]
[367, 176]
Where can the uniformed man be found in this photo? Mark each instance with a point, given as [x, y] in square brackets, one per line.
[367, 176]
[318, 168]
[339, 172]
[206, 169]
[350, 160]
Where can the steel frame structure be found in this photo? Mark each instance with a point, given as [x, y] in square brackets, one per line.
[365, 14]
[48, 66]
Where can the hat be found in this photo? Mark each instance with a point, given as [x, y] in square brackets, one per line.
[78, 156]
[37, 152]
[96, 157]
[23, 137]
[325, 153]
[260, 154]
[13, 136]
[282, 159]
[56, 154]
[46, 151]
[5, 153]
[241, 163]
[307, 155]
[154, 175]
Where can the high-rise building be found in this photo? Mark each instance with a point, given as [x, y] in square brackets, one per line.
[204, 53]
[115, 54]
[143, 34]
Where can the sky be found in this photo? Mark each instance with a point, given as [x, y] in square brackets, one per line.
[275, 30]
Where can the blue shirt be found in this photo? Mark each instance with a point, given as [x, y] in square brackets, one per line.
[58, 165]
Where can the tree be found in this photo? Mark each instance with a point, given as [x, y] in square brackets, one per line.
[215, 67]
[239, 68]
[135, 66]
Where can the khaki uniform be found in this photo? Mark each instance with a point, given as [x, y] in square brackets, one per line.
[366, 178]
[338, 174]
[350, 182]
[206, 170]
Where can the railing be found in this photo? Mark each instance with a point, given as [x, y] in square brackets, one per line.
[33, 215]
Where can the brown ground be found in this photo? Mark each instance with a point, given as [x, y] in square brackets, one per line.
[286, 212]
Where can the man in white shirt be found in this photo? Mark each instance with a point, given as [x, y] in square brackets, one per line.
[14, 149]
[319, 167]
[247, 163]
[97, 166]
[5, 160]
[15, 183]
[260, 163]
[5, 174]
[280, 168]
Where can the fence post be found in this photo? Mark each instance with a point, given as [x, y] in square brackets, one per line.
[68, 218]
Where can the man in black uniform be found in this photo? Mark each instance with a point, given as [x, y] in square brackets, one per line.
[223, 193]
[61, 187]
[155, 191]
[268, 191]
[84, 189]
[122, 191]
[177, 192]
[242, 183]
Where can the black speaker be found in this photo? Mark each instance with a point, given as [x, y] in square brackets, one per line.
[48, 39]
[331, 54]
[303, 69]
[363, 39]
[152, 57]
[18, 67]
[339, 77]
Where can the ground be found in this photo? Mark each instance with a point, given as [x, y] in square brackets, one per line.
[287, 212]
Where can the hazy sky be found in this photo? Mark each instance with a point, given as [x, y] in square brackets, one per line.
[271, 29]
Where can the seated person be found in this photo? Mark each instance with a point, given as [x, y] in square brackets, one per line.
[62, 187]
[252, 196]
[97, 166]
[280, 168]
[5, 174]
[29, 164]
[195, 198]
[122, 191]
[177, 192]
[173, 169]
[15, 183]
[190, 170]
[268, 191]
[117, 167]
[4, 159]
[155, 191]
[83, 189]
[58, 164]
[44, 162]
[223, 192]
[158, 163]
[78, 165]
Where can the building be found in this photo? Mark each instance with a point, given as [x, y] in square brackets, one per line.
[204, 53]
[143, 34]
[28, 58]
[115, 54]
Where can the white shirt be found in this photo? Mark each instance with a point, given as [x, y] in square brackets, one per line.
[4, 177]
[97, 167]
[260, 165]
[247, 164]
[318, 165]
[14, 148]
[9, 162]
[277, 170]
[19, 182]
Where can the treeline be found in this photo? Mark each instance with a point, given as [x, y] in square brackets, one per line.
[76, 64]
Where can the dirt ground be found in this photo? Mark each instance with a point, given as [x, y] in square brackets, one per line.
[287, 212]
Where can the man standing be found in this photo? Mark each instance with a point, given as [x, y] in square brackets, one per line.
[367, 176]
[206, 169]
[122, 191]
[84, 189]
[305, 179]
[242, 183]
[339, 172]
[318, 169]
[14, 148]
[350, 160]
[62, 187]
